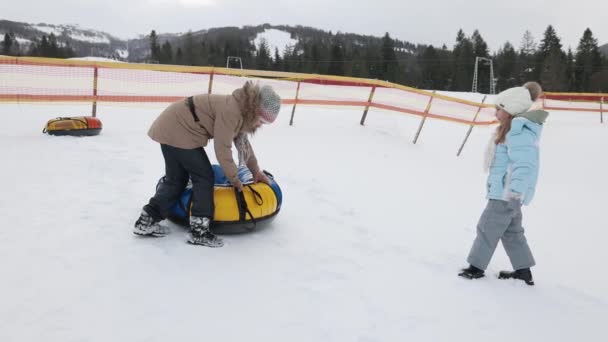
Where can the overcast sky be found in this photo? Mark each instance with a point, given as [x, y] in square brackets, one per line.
[426, 22]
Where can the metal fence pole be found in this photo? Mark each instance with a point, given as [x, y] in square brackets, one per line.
[426, 111]
[293, 109]
[471, 127]
[369, 101]
[95, 76]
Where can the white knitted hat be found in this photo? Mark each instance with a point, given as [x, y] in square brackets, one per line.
[514, 101]
[270, 104]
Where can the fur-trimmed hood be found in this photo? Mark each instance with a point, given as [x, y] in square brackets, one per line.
[248, 99]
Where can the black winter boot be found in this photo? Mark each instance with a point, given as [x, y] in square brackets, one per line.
[523, 274]
[200, 233]
[472, 272]
[146, 225]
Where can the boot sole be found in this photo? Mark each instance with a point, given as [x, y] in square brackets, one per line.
[152, 234]
[470, 277]
[505, 277]
[205, 244]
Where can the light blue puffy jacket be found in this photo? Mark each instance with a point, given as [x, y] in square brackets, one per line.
[515, 165]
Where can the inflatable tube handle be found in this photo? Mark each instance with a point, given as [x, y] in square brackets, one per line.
[243, 209]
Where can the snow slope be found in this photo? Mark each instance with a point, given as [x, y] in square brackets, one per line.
[371, 236]
[275, 39]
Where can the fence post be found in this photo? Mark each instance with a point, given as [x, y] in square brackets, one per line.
[369, 101]
[293, 109]
[426, 111]
[95, 76]
[544, 103]
[210, 82]
[602, 110]
[471, 128]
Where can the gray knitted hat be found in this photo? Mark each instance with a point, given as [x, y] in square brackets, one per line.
[270, 104]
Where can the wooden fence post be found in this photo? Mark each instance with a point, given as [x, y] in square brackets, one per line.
[602, 110]
[293, 109]
[210, 83]
[471, 127]
[426, 111]
[95, 76]
[369, 101]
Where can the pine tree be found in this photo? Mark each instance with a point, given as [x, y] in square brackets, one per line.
[53, 48]
[553, 62]
[7, 44]
[480, 49]
[430, 68]
[190, 55]
[278, 61]
[506, 64]
[389, 59]
[553, 75]
[570, 72]
[336, 64]
[263, 60]
[179, 56]
[44, 47]
[588, 61]
[166, 56]
[155, 53]
[464, 63]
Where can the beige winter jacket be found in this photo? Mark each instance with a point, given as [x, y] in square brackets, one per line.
[221, 117]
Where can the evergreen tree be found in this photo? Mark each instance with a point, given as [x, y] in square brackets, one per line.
[464, 62]
[44, 47]
[359, 67]
[155, 53]
[190, 53]
[179, 56]
[527, 68]
[278, 61]
[553, 75]
[166, 56]
[480, 49]
[588, 61]
[570, 72]
[53, 47]
[263, 60]
[430, 69]
[336, 64]
[553, 62]
[7, 45]
[506, 64]
[389, 59]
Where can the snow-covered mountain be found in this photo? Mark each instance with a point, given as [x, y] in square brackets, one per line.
[84, 41]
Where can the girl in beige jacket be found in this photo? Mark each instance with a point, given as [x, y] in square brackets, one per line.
[182, 130]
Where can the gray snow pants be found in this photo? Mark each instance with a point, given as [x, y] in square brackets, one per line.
[501, 220]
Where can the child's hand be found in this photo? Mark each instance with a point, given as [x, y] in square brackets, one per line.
[261, 177]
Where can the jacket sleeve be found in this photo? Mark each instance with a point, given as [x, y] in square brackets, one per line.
[523, 152]
[224, 130]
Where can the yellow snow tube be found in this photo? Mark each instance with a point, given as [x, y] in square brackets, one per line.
[260, 198]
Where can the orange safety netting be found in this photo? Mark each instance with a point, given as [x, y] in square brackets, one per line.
[28, 79]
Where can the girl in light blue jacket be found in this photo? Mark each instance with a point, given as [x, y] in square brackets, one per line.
[512, 162]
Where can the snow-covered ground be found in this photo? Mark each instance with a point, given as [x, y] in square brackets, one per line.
[372, 233]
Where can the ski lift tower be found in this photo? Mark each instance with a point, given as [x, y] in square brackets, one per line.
[492, 81]
[236, 59]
